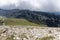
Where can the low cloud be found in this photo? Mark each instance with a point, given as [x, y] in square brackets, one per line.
[37, 5]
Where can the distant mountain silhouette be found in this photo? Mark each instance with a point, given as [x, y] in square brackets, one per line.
[50, 19]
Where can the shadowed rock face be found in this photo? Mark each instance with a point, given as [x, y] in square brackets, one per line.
[47, 18]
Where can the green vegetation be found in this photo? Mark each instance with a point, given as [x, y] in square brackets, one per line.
[10, 38]
[47, 38]
[24, 35]
[14, 21]
[1, 22]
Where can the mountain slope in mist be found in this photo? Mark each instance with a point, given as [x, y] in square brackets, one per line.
[49, 19]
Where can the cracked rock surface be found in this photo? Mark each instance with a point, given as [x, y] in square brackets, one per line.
[29, 33]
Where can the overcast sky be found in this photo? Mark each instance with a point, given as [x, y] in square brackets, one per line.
[38, 5]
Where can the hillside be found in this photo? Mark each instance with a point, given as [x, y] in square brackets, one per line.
[38, 17]
[15, 21]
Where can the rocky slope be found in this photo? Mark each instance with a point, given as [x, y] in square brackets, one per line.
[29, 33]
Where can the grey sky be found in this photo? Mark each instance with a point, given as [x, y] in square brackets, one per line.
[38, 5]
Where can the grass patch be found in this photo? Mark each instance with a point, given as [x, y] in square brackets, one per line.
[47, 38]
[10, 38]
[13, 21]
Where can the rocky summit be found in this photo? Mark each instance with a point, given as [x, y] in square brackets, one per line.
[29, 33]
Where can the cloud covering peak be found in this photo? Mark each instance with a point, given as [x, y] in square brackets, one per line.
[38, 5]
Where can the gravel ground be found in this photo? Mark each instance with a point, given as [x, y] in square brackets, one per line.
[29, 33]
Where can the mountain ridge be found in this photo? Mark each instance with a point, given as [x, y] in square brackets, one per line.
[38, 17]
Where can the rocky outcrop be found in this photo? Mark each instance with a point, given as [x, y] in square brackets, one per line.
[29, 33]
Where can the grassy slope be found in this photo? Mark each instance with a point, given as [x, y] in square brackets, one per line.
[13, 21]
